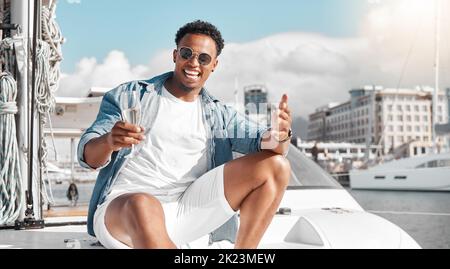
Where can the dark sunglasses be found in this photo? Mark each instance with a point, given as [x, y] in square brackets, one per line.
[187, 54]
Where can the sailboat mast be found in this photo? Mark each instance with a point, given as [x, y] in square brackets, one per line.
[436, 73]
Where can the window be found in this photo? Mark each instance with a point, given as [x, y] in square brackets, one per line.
[400, 118]
[408, 108]
[391, 128]
[389, 107]
[417, 128]
[441, 119]
[390, 118]
[416, 118]
[436, 163]
[425, 118]
[400, 128]
[416, 108]
[400, 139]
[440, 108]
[408, 118]
[424, 108]
[399, 108]
[409, 128]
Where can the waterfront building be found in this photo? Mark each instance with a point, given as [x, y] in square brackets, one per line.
[392, 118]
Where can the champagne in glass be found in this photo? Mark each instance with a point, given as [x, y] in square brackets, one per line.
[131, 110]
[132, 115]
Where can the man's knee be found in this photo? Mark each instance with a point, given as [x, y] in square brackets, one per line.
[141, 204]
[281, 169]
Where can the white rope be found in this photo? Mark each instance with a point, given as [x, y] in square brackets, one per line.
[51, 34]
[11, 202]
[48, 60]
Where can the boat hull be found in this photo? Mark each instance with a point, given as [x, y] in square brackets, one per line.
[426, 179]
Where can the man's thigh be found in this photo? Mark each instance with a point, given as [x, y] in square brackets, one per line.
[243, 175]
[121, 215]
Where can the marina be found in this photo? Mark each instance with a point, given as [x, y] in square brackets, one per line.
[366, 178]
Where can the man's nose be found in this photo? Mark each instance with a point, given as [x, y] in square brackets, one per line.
[193, 61]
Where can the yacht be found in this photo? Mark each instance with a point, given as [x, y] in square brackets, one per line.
[425, 172]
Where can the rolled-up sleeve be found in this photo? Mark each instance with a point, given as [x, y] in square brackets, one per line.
[245, 135]
[108, 115]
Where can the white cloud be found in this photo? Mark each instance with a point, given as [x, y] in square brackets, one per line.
[312, 69]
[74, 1]
[114, 70]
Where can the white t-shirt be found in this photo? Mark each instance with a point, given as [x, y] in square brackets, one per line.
[174, 154]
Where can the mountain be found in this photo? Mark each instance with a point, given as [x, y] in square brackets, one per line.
[300, 127]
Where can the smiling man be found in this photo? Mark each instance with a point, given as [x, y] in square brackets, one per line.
[183, 183]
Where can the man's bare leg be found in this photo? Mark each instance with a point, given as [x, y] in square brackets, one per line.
[255, 184]
[137, 220]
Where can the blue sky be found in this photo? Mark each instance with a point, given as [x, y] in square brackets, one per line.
[141, 28]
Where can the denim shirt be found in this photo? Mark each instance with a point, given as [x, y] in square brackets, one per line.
[229, 131]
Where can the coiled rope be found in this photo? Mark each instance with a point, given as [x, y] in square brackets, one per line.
[11, 200]
[48, 59]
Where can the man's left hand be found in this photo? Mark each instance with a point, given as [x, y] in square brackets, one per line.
[284, 120]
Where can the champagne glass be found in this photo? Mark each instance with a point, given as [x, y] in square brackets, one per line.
[131, 110]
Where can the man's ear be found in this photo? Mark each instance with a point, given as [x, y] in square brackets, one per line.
[215, 65]
[174, 55]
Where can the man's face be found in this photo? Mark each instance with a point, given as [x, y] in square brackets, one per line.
[192, 73]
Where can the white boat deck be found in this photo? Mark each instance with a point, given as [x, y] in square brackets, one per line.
[57, 237]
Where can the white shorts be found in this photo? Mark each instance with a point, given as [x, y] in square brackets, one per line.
[200, 210]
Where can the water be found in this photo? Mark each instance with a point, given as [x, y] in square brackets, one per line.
[423, 215]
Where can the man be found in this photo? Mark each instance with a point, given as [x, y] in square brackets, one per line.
[72, 194]
[315, 152]
[184, 161]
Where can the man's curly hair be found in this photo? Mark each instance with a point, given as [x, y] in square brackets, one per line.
[201, 27]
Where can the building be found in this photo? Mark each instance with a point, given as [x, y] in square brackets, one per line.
[317, 123]
[392, 118]
[255, 94]
[256, 104]
[338, 151]
[448, 102]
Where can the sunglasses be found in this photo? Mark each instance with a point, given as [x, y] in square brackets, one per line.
[187, 54]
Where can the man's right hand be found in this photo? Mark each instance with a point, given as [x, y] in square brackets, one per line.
[124, 135]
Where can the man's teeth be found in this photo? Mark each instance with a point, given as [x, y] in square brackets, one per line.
[192, 74]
